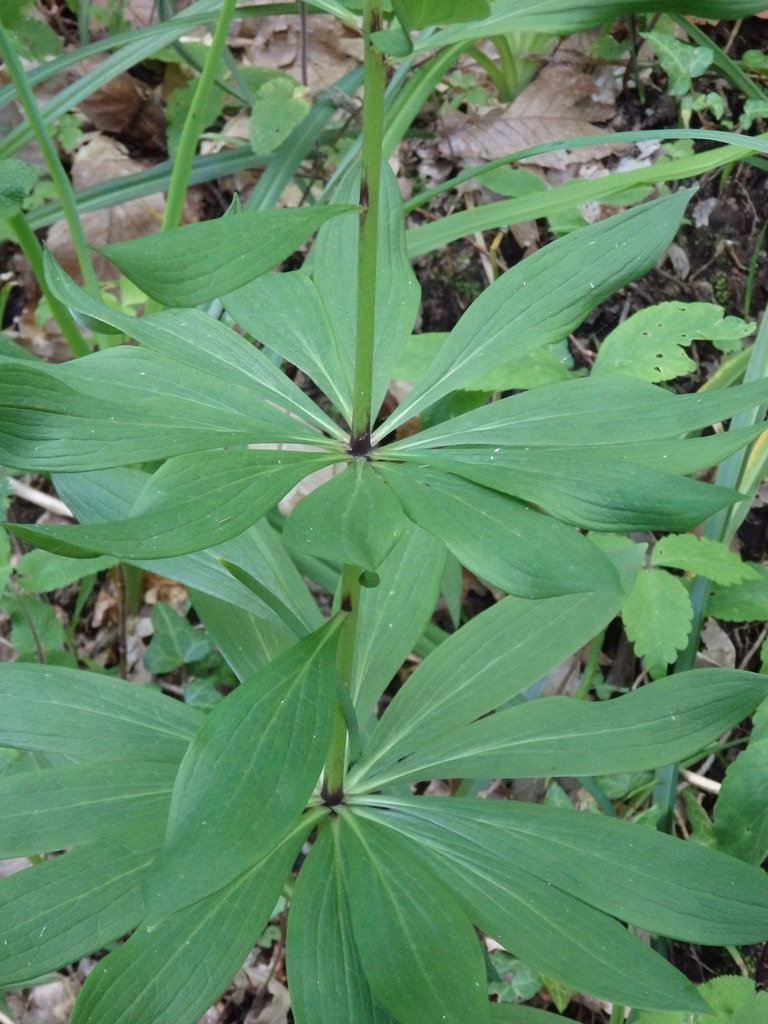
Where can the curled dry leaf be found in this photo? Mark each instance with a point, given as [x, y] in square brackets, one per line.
[558, 104]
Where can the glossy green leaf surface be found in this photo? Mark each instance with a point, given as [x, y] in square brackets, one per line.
[65, 908]
[174, 515]
[90, 717]
[196, 263]
[247, 776]
[545, 297]
[660, 724]
[419, 13]
[494, 657]
[740, 819]
[562, 17]
[158, 976]
[419, 952]
[510, 545]
[334, 271]
[54, 808]
[700, 896]
[393, 615]
[585, 489]
[354, 518]
[325, 975]
[588, 412]
[558, 934]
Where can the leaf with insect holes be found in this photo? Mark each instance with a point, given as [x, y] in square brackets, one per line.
[657, 616]
[650, 344]
[709, 558]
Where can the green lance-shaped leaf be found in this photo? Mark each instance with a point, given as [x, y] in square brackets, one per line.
[334, 271]
[247, 776]
[110, 494]
[192, 502]
[197, 263]
[393, 615]
[740, 819]
[701, 896]
[586, 489]
[592, 412]
[65, 908]
[91, 717]
[558, 934]
[503, 541]
[325, 976]
[563, 17]
[657, 725]
[174, 972]
[419, 952]
[54, 808]
[492, 659]
[285, 312]
[353, 518]
[234, 372]
[515, 1013]
[545, 297]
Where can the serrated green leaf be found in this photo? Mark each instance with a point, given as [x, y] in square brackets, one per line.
[197, 263]
[16, 179]
[90, 717]
[649, 344]
[742, 602]
[660, 724]
[52, 809]
[325, 974]
[585, 489]
[558, 934]
[174, 515]
[503, 541]
[352, 519]
[419, 952]
[494, 657]
[702, 556]
[157, 976]
[545, 297]
[657, 616]
[740, 818]
[65, 908]
[174, 643]
[585, 413]
[247, 776]
[279, 105]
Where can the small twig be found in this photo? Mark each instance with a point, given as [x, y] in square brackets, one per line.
[700, 781]
[39, 498]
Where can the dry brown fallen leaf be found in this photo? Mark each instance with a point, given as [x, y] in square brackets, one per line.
[558, 104]
[103, 159]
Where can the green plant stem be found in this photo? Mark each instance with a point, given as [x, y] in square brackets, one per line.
[336, 760]
[193, 125]
[53, 161]
[33, 251]
[374, 82]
